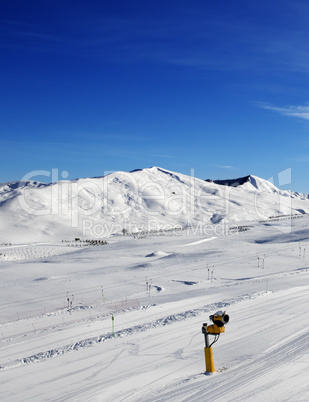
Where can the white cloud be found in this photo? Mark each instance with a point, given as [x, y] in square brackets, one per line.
[301, 112]
[228, 167]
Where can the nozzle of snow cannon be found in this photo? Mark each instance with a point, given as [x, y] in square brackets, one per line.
[219, 319]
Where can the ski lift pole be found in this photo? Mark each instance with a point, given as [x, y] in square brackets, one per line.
[68, 300]
[113, 325]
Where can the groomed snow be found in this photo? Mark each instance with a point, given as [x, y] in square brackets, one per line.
[58, 342]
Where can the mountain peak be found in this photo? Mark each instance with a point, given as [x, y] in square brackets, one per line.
[232, 182]
[144, 199]
[256, 182]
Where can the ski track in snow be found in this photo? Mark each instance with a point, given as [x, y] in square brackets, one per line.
[157, 355]
[126, 332]
[228, 385]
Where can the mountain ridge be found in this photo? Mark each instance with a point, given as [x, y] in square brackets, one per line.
[144, 199]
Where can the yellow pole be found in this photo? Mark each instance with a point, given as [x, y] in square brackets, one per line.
[209, 360]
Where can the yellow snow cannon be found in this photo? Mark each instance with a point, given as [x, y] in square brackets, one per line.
[219, 319]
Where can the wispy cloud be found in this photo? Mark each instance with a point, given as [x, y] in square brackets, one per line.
[301, 112]
[191, 36]
[226, 167]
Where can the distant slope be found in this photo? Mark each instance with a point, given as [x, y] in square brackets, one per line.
[146, 199]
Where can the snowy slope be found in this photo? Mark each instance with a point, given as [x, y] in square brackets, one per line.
[142, 200]
[160, 289]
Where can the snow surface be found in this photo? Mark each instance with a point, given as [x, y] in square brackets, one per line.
[143, 200]
[82, 321]
[259, 276]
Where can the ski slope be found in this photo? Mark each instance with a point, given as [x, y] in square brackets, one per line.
[159, 288]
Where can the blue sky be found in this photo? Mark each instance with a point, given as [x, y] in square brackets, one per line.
[94, 86]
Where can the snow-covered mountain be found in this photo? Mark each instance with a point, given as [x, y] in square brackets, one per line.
[141, 200]
[76, 320]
